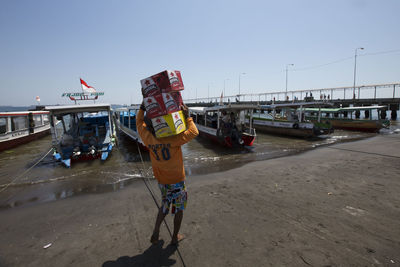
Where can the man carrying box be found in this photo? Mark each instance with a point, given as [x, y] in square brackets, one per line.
[167, 162]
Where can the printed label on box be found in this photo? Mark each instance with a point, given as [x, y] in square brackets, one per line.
[178, 98]
[160, 126]
[175, 80]
[149, 87]
[154, 106]
[178, 123]
[170, 103]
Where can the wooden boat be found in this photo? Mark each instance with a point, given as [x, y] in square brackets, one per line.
[86, 132]
[213, 123]
[289, 120]
[21, 127]
[125, 120]
[339, 118]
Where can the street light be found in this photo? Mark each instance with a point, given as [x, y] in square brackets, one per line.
[355, 68]
[243, 73]
[224, 86]
[208, 92]
[287, 65]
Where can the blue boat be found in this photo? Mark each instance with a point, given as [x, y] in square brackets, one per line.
[81, 132]
[125, 120]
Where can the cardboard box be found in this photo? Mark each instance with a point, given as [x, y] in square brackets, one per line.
[154, 106]
[163, 82]
[170, 124]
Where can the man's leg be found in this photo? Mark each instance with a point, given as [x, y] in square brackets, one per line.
[177, 225]
[156, 232]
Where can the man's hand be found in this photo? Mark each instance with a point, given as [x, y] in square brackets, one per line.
[185, 110]
[142, 107]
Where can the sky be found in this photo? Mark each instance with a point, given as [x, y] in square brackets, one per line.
[46, 46]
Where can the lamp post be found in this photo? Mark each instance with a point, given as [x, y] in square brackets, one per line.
[240, 74]
[287, 65]
[355, 70]
[208, 93]
[224, 86]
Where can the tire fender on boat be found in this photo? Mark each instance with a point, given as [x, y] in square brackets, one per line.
[295, 125]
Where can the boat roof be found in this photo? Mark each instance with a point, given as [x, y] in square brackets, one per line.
[333, 110]
[19, 113]
[298, 105]
[132, 107]
[230, 107]
[78, 108]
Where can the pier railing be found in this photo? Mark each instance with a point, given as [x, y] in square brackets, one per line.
[379, 92]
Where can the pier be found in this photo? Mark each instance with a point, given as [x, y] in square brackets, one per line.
[361, 95]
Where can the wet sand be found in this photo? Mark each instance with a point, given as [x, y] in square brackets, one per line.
[333, 206]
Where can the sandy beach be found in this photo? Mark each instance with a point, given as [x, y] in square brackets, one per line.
[336, 205]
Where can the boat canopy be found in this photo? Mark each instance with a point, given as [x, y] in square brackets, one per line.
[78, 108]
[21, 113]
[132, 107]
[223, 107]
[348, 109]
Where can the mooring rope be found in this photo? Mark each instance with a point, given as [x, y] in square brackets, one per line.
[146, 177]
[364, 152]
[16, 178]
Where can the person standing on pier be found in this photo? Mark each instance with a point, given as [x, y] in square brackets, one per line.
[168, 169]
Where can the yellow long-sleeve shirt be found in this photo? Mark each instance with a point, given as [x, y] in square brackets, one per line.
[166, 153]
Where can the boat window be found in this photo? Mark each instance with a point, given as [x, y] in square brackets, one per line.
[37, 119]
[45, 119]
[3, 125]
[68, 122]
[19, 123]
[264, 115]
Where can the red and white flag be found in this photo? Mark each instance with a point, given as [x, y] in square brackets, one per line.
[86, 88]
[37, 98]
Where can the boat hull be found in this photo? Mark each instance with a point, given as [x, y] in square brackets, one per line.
[285, 131]
[24, 138]
[211, 134]
[371, 126]
[227, 142]
[287, 128]
[132, 134]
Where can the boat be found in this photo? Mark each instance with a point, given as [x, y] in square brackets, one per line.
[289, 120]
[225, 124]
[339, 118]
[86, 132]
[125, 120]
[21, 127]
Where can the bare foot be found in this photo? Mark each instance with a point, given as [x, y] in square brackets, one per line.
[177, 239]
[154, 238]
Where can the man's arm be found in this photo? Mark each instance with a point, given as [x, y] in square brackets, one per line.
[141, 127]
[190, 133]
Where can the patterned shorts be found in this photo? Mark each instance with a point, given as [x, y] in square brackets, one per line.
[174, 195]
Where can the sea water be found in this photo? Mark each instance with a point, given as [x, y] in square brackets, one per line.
[24, 181]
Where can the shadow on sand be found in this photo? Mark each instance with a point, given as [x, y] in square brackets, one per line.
[155, 255]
